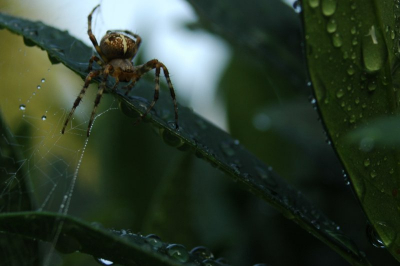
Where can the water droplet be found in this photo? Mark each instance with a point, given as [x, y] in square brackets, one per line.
[354, 41]
[350, 70]
[178, 252]
[367, 162]
[262, 122]
[313, 3]
[202, 253]
[104, 261]
[328, 7]
[337, 40]
[331, 26]
[128, 110]
[353, 30]
[38, 87]
[297, 7]
[352, 119]
[44, 117]
[154, 241]
[373, 237]
[201, 123]
[367, 144]
[372, 85]
[339, 93]
[373, 174]
[374, 50]
[171, 139]
[22, 107]
[227, 149]
[43, 80]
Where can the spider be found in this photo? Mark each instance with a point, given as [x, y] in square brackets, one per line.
[117, 50]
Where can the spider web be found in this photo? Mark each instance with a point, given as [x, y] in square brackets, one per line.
[39, 164]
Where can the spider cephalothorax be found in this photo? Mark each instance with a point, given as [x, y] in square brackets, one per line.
[117, 50]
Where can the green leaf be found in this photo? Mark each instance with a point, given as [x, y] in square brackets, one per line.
[73, 235]
[380, 132]
[196, 134]
[352, 52]
[267, 30]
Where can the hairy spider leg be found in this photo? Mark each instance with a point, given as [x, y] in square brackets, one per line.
[92, 37]
[131, 85]
[157, 65]
[94, 59]
[100, 91]
[88, 79]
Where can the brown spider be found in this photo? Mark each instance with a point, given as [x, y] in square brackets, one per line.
[116, 52]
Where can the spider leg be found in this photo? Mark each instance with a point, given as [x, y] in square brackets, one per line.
[116, 84]
[100, 91]
[130, 86]
[89, 77]
[157, 65]
[94, 59]
[92, 37]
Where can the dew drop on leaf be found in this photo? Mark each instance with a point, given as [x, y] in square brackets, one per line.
[331, 26]
[337, 40]
[374, 50]
[178, 252]
[313, 3]
[328, 7]
[202, 253]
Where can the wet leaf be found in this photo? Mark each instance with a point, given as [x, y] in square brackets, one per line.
[195, 134]
[73, 235]
[267, 30]
[380, 133]
[353, 57]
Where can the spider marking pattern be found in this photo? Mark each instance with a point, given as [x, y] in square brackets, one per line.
[116, 52]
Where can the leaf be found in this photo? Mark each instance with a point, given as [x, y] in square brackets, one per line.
[74, 235]
[268, 30]
[380, 132]
[352, 52]
[200, 136]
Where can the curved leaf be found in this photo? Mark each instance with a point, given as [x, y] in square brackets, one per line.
[74, 235]
[198, 135]
[352, 50]
[268, 30]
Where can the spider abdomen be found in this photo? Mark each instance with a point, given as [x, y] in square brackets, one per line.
[117, 45]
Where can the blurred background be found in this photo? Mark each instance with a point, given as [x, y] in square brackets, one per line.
[127, 178]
